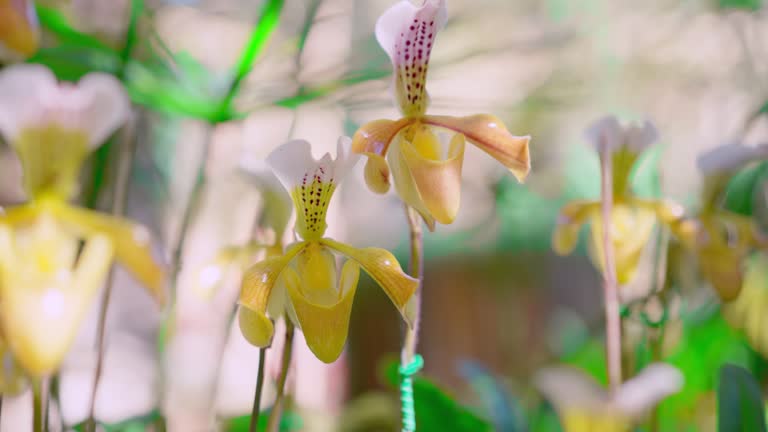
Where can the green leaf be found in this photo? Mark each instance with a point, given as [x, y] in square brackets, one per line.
[751, 5]
[55, 22]
[741, 189]
[135, 424]
[436, 411]
[739, 401]
[290, 422]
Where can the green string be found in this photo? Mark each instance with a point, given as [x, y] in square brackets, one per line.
[407, 406]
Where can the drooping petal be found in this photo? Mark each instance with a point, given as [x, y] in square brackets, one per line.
[131, 242]
[438, 181]
[376, 136]
[723, 267]
[407, 32]
[377, 174]
[572, 217]
[19, 29]
[490, 135]
[19, 215]
[107, 109]
[20, 86]
[405, 185]
[324, 322]
[311, 182]
[383, 267]
[640, 393]
[255, 292]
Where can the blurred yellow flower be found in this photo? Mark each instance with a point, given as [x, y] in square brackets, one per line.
[19, 30]
[319, 297]
[632, 218]
[47, 284]
[584, 406]
[748, 311]
[427, 173]
[53, 127]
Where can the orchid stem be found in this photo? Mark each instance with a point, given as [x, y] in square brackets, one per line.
[257, 394]
[611, 292]
[119, 200]
[273, 425]
[38, 404]
[412, 333]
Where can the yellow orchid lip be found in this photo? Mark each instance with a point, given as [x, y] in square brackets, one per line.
[47, 290]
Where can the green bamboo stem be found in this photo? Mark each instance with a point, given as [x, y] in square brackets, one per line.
[256, 409]
[273, 425]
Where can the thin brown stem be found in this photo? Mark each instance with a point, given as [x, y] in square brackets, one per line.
[610, 285]
[125, 159]
[257, 394]
[417, 271]
[273, 425]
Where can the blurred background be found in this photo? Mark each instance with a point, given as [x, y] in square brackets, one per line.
[498, 303]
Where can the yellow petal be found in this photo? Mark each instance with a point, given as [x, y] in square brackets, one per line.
[19, 215]
[37, 147]
[438, 181]
[325, 324]
[572, 217]
[19, 30]
[255, 326]
[405, 183]
[383, 267]
[489, 133]
[131, 242]
[375, 137]
[724, 269]
[377, 174]
[258, 283]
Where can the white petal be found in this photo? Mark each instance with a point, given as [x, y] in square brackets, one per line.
[729, 157]
[605, 134]
[108, 108]
[567, 388]
[293, 163]
[651, 385]
[20, 87]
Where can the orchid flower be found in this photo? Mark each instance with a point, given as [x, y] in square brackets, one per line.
[319, 296]
[53, 127]
[427, 175]
[722, 240]
[748, 310]
[632, 218]
[584, 406]
[47, 285]
[19, 30]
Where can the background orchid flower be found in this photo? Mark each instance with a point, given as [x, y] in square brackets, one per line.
[47, 285]
[319, 297]
[19, 30]
[584, 406]
[632, 218]
[722, 240]
[427, 174]
[748, 311]
[53, 127]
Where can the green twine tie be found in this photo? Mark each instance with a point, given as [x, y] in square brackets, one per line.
[407, 406]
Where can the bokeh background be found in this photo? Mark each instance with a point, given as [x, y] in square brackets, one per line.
[497, 302]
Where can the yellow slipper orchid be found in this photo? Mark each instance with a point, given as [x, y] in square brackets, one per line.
[53, 127]
[47, 285]
[426, 176]
[19, 30]
[722, 240]
[319, 299]
[632, 219]
[584, 406]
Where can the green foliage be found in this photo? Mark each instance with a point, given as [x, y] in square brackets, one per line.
[741, 189]
[752, 5]
[290, 422]
[740, 401]
[436, 411]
